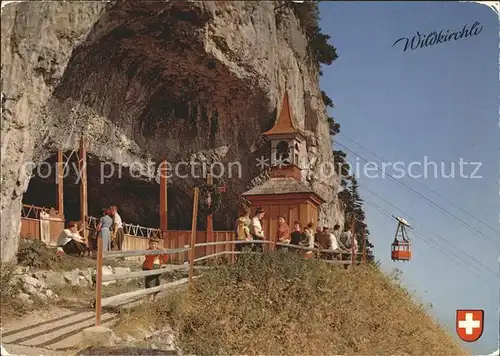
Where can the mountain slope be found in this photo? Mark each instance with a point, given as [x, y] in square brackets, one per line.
[281, 304]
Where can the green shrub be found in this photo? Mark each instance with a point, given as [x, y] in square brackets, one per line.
[326, 99]
[333, 126]
[318, 43]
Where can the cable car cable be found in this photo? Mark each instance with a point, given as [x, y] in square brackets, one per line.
[430, 244]
[427, 199]
[434, 233]
[426, 186]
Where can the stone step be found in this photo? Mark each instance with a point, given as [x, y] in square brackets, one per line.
[12, 349]
[120, 351]
[57, 332]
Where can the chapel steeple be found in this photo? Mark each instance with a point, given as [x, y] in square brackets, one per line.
[286, 141]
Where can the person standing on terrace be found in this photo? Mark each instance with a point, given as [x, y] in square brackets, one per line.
[283, 230]
[117, 228]
[104, 229]
[256, 227]
[296, 236]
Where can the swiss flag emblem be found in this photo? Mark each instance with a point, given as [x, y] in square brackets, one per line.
[469, 324]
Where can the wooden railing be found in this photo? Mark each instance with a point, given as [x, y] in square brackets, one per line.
[30, 223]
[190, 249]
[33, 212]
[130, 229]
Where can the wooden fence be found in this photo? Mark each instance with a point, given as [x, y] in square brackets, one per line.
[31, 223]
[131, 296]
[137, 238]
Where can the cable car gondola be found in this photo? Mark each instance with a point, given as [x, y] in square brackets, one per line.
[401, 247]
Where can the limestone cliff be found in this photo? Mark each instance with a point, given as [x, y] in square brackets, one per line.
[144, 81]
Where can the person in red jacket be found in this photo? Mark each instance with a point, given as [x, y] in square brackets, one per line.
[152, 262]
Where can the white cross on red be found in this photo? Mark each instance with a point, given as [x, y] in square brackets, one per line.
[469, 324]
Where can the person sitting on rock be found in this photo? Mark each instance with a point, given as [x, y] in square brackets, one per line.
[70, 241]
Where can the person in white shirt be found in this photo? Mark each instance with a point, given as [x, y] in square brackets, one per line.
[118, 234]
[338, 236]
[256, 227]
[332, 240]
[70, 241]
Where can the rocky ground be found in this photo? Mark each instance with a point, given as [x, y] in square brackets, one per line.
[43, 285]
[62, 319]
[63, 331]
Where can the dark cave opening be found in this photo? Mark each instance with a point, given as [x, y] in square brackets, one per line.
[157, 91]
[110, 184]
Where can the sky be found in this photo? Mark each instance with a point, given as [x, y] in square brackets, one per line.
[438, 102]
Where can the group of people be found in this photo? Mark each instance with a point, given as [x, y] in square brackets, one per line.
[109, 228]
[250, 229]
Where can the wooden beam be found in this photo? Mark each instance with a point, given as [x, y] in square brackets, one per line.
[60, 183]
[82, 165]
[98, 283]
[337, 262]
[142, 292]
[364, 248]
[115, 254]
[210, 220]
[353, 236]
[192, 251]
[163, 196]
[236, 242]
[139, 274]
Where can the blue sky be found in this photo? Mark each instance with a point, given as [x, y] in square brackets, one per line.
[438, 102]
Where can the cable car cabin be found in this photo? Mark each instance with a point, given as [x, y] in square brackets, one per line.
[401, 248]
[401, 251]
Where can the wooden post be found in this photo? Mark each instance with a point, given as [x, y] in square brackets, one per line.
[60, 183]
[353, 236]
[82, 163]
[98, 283]
[273, 239]
[193, 234]
[163, 196]
[233, 256]
[210, 221]
[364, 248]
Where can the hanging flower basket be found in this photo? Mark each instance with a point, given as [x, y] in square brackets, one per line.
[210, 198]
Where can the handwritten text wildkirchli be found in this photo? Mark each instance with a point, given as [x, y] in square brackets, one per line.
[424, 40]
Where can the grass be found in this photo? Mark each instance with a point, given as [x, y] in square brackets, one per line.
[37, 255]
[281, 304]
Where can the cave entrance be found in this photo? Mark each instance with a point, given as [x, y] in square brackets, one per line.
[137, 199]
